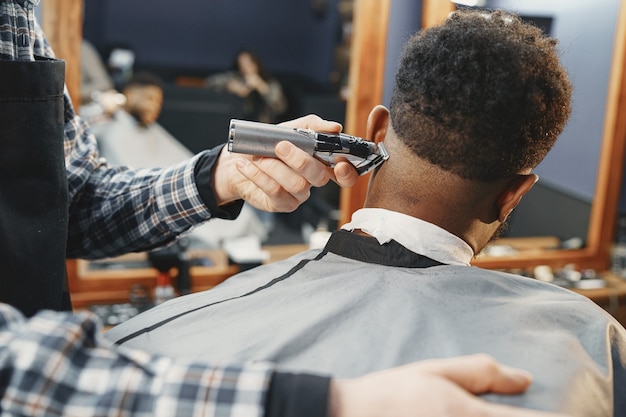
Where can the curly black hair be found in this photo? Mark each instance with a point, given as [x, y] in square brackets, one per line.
[482, 96]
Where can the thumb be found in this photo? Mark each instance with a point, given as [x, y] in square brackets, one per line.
[345, 174]
[479, 374]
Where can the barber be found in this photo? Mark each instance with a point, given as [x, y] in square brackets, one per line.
[58, 198]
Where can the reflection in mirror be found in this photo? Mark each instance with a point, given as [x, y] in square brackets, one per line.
[303, 45]
[579, 170]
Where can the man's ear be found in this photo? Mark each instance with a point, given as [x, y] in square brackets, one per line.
[377, 122]
[513, 193]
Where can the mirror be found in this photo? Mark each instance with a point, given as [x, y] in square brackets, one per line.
[371, 37]
[302, 45]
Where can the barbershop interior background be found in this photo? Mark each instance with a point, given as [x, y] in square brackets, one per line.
[303, 44]
[306, 45]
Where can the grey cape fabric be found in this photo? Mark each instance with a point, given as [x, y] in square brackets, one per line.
[357, 307]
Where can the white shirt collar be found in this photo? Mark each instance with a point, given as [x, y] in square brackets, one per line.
[414, 234]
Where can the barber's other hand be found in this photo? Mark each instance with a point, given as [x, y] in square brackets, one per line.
[435, 388]
[279, 184]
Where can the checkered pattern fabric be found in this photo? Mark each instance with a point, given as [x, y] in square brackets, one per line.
[57, 364]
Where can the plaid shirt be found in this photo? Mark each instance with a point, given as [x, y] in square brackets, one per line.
[57, 364]
[112, 210]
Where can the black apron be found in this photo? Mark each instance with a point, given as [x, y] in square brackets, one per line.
[33, 185]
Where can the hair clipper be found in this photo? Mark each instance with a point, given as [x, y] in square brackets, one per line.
[255, 138]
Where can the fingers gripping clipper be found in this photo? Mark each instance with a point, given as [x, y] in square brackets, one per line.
[255, 138]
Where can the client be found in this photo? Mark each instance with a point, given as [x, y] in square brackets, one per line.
[478, 103]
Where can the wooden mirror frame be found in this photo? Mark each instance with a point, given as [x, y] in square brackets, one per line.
[371, 18]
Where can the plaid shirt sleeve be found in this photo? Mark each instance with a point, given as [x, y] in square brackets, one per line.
[113, 210]
[56, 364]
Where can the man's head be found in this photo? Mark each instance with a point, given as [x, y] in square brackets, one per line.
[478, 102]
[482, 96]
[144, 97]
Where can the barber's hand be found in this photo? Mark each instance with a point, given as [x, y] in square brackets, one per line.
[279, 185]
[436, 388]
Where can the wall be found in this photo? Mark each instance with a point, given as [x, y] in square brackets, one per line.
[200, 36]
